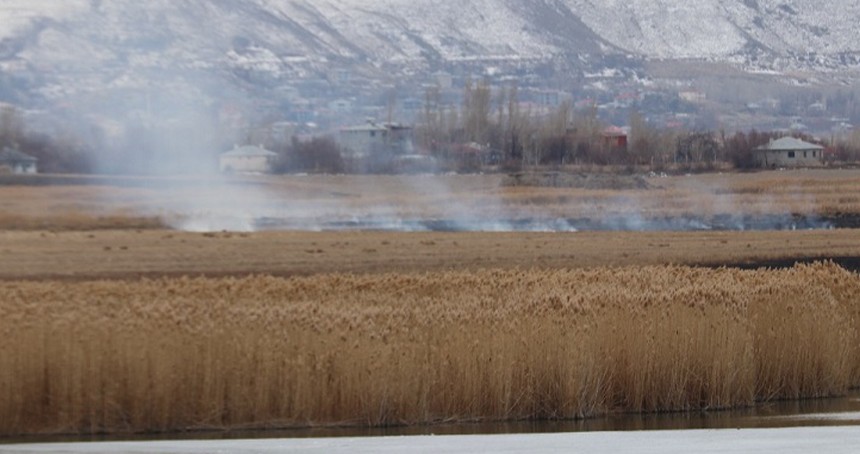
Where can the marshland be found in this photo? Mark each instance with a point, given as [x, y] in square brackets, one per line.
[116, 320]
[396, 348]
[820, 198]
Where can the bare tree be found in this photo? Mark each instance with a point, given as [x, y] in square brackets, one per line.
[642, 140]
[553, 136]
[476, 111]
[430, 130]
[586, 139]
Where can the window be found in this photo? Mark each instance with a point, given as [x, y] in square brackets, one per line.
[804, 154]
[791, 155]
[814, 153]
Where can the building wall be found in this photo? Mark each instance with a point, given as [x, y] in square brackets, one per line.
[363, 142]
[615, 141]
[797, 158]
[20, 167]
[241, 164]
[26, 168]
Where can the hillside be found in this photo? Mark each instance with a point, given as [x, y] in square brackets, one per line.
[287, 36]
[122, 63]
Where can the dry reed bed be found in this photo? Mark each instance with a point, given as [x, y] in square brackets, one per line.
[150, 202]
[175, 354]
[79, 222]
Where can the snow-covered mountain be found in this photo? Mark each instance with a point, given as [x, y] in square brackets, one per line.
[724, 28]
[116, 41]
[418, 29]
[203, 32]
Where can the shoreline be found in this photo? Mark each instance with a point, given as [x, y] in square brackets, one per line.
[835, 440]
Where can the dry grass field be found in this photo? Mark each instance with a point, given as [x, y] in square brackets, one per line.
[174, 354]
[116, 227]
[125, 254]
[114, 319]
[105, 203]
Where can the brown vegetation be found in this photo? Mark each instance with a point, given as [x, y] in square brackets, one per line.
[520, 137]
[78, 221]
[130, 254]
[176, 354]
[476, 337]
[806, 192]
[321, 155]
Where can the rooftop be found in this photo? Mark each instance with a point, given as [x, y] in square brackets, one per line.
[789, 144]
[373, 126]
[8, 154]
[249, 150]
[614, 131]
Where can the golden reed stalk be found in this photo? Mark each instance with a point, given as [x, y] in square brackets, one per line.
[179, 354]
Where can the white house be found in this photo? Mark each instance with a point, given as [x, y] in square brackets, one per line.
[789, 152]
[247, 159]
[17, 162]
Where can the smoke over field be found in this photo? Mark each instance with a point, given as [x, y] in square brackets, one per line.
[795, 201]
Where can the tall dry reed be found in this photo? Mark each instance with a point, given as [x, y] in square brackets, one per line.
[176, 354]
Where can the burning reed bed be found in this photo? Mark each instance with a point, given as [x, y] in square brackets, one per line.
[184, 354]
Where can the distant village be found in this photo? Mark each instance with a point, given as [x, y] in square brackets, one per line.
[340, 97]
[389, 148]
[481, 117]
[434, 122]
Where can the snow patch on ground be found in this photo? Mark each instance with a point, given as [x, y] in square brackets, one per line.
[847, 416]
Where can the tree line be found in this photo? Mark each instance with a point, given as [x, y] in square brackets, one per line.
[522, 138]
[61, 153]
[490, 130]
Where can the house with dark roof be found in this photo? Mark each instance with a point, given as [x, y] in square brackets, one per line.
[363, 141]
[789, 152]
[16, 161]
[247, 159]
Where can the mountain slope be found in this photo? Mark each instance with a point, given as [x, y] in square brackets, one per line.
[717, 28]
[87, 41]
[427, 30]
[389, 30]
